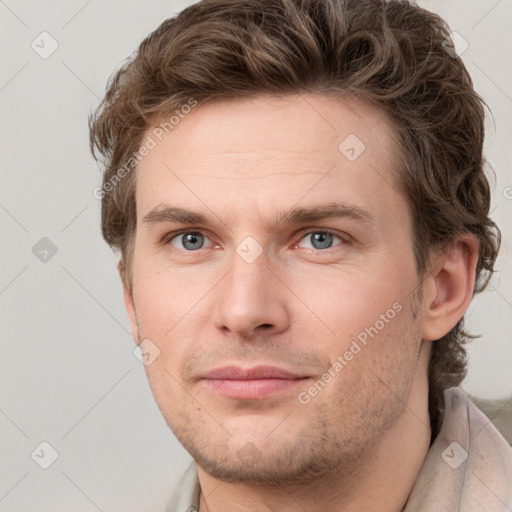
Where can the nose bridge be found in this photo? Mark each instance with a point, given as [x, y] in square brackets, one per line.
[249, 277]
[251, 298]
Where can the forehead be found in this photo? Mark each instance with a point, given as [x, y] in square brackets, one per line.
[270, 153]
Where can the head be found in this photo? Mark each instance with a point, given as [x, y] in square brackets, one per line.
[243, 124]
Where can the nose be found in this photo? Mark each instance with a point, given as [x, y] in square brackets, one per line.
[251, 300]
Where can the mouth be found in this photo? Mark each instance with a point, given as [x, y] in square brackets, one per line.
[251, 383]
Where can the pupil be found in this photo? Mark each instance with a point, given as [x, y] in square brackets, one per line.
[192, 241]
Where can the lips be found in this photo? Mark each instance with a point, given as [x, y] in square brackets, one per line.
[251, 383]
[258, 372]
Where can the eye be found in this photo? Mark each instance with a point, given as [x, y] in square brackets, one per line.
[190, 241]
[320, 240]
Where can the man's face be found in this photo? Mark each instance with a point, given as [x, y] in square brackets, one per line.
[273, 250]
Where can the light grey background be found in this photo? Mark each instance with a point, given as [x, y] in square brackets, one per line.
[68, 375]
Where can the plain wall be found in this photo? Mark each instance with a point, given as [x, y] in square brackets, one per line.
[68, 375]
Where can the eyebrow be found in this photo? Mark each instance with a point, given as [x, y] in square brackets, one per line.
[164, 213]
[328, 211]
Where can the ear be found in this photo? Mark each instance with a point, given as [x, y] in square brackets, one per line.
[448, 289]
[129, 304]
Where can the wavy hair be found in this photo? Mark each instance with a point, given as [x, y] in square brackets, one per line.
[390, 53]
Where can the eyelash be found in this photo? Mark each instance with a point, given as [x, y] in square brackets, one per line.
[345, 239]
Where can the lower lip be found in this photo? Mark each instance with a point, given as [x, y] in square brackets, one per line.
[256, 388]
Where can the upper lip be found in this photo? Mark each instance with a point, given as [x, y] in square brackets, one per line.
[254, 373]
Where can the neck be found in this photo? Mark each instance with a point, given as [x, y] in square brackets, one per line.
[381, 480]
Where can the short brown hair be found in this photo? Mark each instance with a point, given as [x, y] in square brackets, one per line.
[390, 53]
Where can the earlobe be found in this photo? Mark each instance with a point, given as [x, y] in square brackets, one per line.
[129, 304]
[451, 285]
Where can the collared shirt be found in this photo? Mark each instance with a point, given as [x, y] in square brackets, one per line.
[468, 468]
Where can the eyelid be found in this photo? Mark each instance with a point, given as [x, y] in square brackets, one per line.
[170, 236]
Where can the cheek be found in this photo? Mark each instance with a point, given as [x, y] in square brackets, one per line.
[345, 302]
[172, 312]
[167, 299]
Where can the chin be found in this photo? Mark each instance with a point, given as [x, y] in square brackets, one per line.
[270, 462]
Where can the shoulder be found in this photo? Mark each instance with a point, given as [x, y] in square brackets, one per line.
[185, 497]
[499, 413]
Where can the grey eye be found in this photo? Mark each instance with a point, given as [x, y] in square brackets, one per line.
[320, 240]
[190, 241]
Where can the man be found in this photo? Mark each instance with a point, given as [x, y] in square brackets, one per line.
[297, 191]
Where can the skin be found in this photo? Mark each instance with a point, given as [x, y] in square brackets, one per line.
[360, 441]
